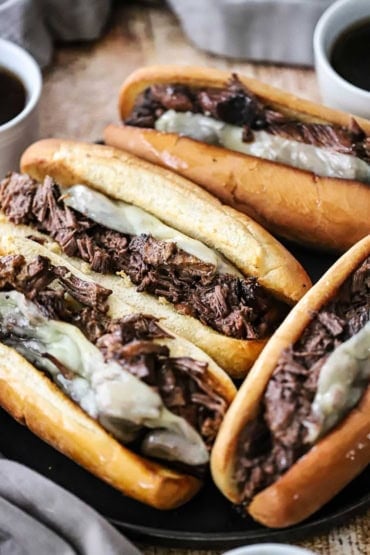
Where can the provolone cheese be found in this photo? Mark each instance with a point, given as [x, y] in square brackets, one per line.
[105, 390]
[321, 161]
[131, 220]
[342, 381]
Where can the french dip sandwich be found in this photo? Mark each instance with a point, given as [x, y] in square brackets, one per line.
[211, 274]
[298, 430]
[112, 389]
[298, 168]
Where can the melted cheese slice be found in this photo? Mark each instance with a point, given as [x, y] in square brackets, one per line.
[342, 381]
[119, 400]
[321, 161]
[131, 220]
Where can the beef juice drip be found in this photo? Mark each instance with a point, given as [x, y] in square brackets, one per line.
[350, 55]
[12, 95]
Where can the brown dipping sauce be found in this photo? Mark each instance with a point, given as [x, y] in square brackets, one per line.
[350, 55]
[12, 95]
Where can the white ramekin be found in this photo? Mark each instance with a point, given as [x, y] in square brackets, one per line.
[269, 549]
[19, 132]
[336, 91]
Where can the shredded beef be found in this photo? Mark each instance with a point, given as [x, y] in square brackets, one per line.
[67, 374]
[183, 383]
[235, 307]
[177, 96]
[135, 326]
[189, 403]
[236, 105]
[270, 444]
[33, 280]
[85, 292]
[10, 266]
[336, 138]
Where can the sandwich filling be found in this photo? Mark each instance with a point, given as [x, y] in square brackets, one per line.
[106, 234]
[234, 118]
[316, 382]
[119, 371]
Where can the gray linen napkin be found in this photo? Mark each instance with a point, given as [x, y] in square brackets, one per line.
[34, 24]
[38, 517]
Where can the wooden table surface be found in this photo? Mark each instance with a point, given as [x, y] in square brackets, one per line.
[79, 99]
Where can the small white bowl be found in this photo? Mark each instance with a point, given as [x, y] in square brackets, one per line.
[17, 133]
[269, 549]
[336, 91]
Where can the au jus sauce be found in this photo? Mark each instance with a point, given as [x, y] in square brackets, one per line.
[12, 95]
[350, 56]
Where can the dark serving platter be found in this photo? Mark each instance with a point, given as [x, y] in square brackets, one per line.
[207, 521]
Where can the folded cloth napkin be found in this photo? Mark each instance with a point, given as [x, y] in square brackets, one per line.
[37, 517]
[34, 24]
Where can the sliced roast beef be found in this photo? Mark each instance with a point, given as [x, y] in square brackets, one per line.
[236, 105]
[339, 139]
[233, 105]
[183, 383]
[235, 307]
[179, 97]
[270, 444]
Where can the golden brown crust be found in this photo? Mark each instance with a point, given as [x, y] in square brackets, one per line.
[173, 199]
[235, 356]
[195, 76]
[338, 459]
[343, 439]
[176, 201]
[14, 240]
[32, 399]
[322, 212]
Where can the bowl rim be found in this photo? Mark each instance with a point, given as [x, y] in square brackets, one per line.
[321, 55]
[270, 549]
[35, 93]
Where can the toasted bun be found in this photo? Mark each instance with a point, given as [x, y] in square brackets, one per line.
[178, 203]
[14, 240]
[322, 212]
[33, 399]
[335, 460]
[195, 76]
[313, 481]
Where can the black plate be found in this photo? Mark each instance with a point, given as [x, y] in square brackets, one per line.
[209, 520]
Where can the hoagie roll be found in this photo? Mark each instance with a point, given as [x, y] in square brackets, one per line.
[300, 169]
[299, 429]
[215, 276]
[110, 388]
